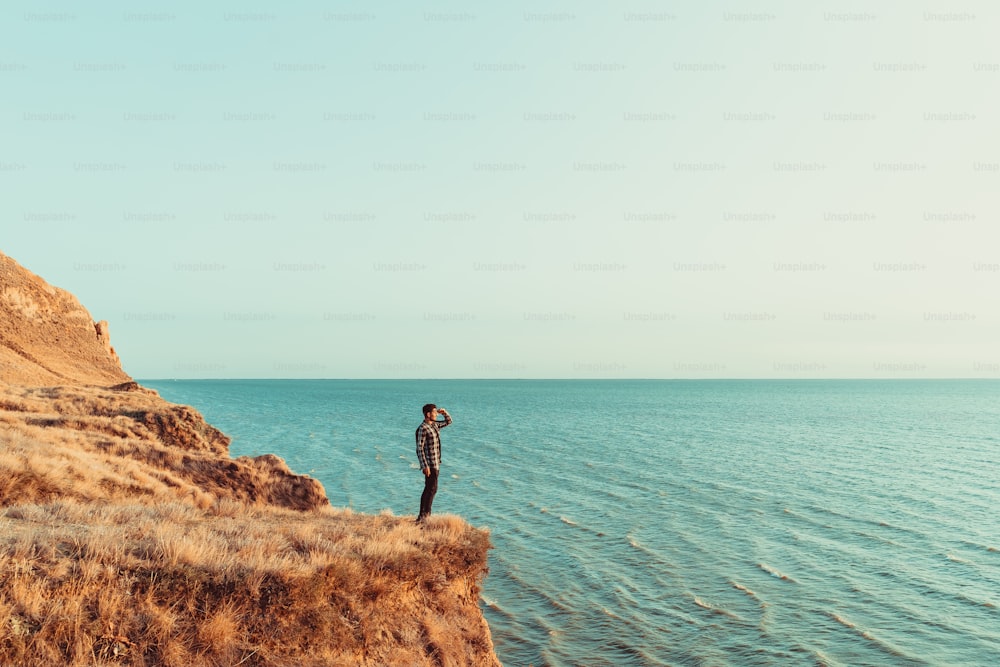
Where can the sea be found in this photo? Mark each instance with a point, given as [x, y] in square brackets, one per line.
[673, 522]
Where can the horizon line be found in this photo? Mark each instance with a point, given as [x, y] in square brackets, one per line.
[586, 379]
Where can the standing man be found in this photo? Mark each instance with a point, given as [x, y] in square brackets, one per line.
[429, 453]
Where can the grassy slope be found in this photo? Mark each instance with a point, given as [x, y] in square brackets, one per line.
[112, 583]
[94, 443]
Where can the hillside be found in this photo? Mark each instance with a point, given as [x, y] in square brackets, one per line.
[129, 536]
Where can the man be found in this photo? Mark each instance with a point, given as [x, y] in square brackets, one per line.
[429, 454]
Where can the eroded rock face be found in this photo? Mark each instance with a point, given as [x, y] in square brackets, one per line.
[104, 338]
[47, 337]
[74, 424]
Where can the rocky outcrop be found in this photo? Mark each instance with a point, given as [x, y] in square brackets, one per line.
[104, 338]
[62, 384]
[134, 444]
[47, 337]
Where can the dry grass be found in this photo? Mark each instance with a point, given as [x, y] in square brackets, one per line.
[102, 583]
[98, 444]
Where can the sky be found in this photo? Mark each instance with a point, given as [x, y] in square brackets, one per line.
[631, 189]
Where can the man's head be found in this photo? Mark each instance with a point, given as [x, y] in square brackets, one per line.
[430, 411]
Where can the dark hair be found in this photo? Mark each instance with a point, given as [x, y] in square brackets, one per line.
[429, 408]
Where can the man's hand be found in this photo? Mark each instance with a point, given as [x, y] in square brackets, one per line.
[427, 472]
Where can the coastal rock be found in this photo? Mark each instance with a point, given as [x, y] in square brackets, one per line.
[47, 337]
[104, 338]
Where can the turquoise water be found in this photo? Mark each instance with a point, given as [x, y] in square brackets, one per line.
[680, 522]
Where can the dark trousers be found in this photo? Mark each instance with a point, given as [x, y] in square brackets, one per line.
[427, 497]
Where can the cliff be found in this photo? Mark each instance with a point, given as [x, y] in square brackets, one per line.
[47, 337]
[129, 536]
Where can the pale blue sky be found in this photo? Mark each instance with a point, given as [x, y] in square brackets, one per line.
[591, 189]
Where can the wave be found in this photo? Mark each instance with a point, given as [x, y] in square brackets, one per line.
[823, 660]
[869, 529]
[881, 644]
[565, 519]
[714, 609]
[877, 538]
[543, 597]
[936, 589]
[584, 527]
[492, 606]
[649, 560]
[973, 602]
[776, 573]
[981, 547]
[618, 650]
[843, 621]
[749, 592]
[876, 522]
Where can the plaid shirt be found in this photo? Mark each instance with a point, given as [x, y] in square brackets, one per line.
[429, 443]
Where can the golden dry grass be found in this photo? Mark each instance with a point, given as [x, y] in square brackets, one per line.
[102, 583]
[95, 443]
